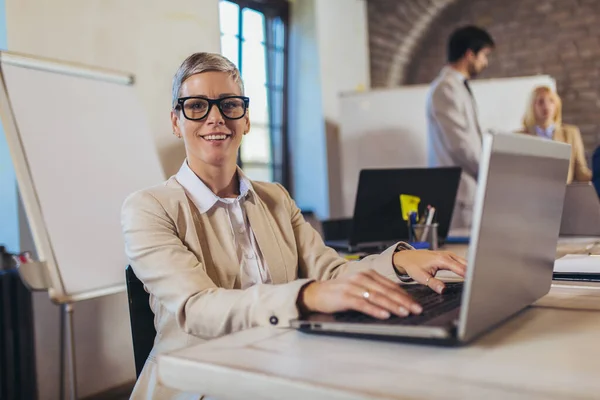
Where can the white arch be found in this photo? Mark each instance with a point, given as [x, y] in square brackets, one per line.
[406, 49]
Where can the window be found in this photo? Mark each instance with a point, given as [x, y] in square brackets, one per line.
[253, 37]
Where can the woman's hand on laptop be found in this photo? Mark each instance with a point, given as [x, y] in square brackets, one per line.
[368, 292]
[422, 265]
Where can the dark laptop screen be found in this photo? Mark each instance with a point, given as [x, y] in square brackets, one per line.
[377, 212]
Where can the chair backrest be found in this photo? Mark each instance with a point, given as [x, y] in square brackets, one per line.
[142, 319]
[336, 229]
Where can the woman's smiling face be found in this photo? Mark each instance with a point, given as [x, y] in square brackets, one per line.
[213, 140]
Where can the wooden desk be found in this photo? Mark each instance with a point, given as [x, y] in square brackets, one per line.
[542, 353]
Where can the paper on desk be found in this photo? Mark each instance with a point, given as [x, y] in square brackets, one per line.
[578, 263]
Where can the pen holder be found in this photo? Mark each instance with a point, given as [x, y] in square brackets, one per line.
[424, 233]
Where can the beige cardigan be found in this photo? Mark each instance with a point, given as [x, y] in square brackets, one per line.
[188, 263]
[578, 168]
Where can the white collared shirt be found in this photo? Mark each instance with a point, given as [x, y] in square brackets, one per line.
[547, 133]
[253, 269]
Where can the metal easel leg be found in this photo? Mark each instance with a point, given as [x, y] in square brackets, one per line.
[63, 372]
[68, 344]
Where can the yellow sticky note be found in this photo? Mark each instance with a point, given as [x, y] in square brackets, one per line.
[408, 204]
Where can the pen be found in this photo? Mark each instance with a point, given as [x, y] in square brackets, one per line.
[412, 221]
[430, 214]
[423, 218]
[426, 215]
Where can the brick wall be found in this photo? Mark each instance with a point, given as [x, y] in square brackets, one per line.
[556, 37]
[396, 28]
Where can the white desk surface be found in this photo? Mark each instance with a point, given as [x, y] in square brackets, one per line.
[549, 351]
[543, 353]
[566, 245]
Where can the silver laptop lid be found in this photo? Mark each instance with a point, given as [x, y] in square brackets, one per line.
[581, 213]
[516, 222]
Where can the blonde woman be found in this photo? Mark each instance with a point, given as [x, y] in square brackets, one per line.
[219, 253]
[543, 118]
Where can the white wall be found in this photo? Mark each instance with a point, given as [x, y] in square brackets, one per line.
[329, 55]
[344, 55]
[148, 38]
[306, 118]
[343, 51]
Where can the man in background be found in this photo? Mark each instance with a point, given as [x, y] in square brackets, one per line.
[452, 124]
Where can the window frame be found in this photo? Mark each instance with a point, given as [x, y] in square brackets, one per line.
[280, 155]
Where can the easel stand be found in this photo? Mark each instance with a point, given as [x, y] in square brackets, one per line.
[34, 275]
[67, 352]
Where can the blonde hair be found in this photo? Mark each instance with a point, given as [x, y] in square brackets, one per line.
[204, 62]
[529, 120]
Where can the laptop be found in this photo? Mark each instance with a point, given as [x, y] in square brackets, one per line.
[377, 221]
[516, 222]
[581, 213]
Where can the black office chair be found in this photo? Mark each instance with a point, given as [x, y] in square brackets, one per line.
[142, 319]
[336, 229]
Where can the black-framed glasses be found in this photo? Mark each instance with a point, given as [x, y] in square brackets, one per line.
[196, 108]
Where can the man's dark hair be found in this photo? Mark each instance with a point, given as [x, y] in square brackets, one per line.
[467, 38]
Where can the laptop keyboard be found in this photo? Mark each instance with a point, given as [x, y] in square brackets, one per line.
[433, 305]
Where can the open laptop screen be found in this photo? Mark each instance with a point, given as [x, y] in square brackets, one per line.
[516, 222]
[377, 212]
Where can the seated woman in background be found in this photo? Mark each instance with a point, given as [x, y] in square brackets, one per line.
[219, 253]
[543, 118]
